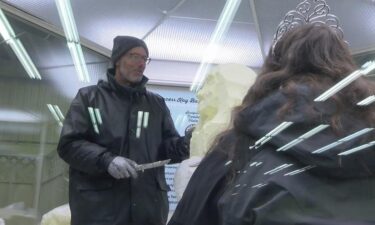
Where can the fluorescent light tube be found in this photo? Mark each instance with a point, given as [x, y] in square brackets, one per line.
[53, 112]
[98, 116]
[271, 134]
[303, 137]
[343, 140]
[365, 69]
[368, 67]
[56, 113]
[359, 148]
[367, 101]
[79, 61]
[93, 119]
[259, 185]
[145, 119]
[59, 113]
[221, 29]
[5, 28]
[16, 45]
[67, 19]
[277, 169]
[295, 172]
[356, 134]
[339, 86]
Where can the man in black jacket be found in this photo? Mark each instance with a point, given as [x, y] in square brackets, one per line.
[109, 129]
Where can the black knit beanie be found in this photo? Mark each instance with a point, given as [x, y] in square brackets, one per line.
[122, 44]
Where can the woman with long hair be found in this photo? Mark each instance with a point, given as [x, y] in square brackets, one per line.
[305, 172]
[319, 169]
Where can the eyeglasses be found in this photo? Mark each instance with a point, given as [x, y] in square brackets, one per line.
[138, 58]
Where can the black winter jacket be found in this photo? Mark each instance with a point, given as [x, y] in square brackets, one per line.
[109, 120]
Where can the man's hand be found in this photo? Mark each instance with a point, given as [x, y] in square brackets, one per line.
[121, 168]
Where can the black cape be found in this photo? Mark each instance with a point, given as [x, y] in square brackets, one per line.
[296, 186]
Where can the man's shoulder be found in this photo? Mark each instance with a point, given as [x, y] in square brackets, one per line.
[87, 90]
[155, 96]
[85, 94]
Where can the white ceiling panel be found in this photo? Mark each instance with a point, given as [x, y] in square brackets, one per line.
[357, 19]
[182, 39]
[210, 10]
[44, 9]
[184, 34]
[190, 24]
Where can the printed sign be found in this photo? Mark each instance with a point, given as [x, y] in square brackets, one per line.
[182, 104]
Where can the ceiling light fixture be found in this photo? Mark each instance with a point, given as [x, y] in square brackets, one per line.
[341, 141]
[70, 29]
[367, 101]
[221, 29]
[271, 134]
[18, 48]
[56, 113]
[357, 149]
[303, 137]
[365, 69]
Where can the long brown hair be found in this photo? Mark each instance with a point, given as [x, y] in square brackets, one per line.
[316, 56]
[313, 55]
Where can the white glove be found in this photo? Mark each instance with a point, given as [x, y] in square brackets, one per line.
[184, 173]
[121, 168]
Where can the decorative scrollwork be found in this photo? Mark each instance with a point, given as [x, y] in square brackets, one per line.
[307, 12]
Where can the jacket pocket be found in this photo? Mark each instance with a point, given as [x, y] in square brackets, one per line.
[162, 200]
[92, 199]
[94, 185]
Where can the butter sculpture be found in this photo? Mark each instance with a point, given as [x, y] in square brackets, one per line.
[224, 88]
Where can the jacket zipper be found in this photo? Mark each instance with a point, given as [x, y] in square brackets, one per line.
[127, 131]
